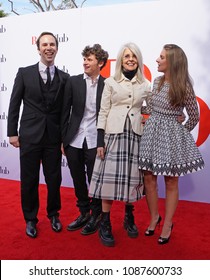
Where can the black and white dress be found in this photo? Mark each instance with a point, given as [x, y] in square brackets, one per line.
[167, 147]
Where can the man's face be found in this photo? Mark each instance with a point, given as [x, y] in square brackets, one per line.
[47, 49]
[91, 66]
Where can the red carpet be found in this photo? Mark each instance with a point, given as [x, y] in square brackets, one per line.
[190, 238]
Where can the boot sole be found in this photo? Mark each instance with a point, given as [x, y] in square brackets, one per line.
[88, 233]
[131, 235]
[107, 244]
[76, 228]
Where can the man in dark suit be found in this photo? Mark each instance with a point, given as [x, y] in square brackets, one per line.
[40, 88]
[82, 99]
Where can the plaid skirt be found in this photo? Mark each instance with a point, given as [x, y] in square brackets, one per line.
[118, 177]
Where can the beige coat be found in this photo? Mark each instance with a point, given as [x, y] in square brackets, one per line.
[121, 99]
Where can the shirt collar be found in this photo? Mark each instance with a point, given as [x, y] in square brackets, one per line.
[43, 67]
[85, 76]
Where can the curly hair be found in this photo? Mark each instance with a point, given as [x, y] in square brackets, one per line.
[100, 54]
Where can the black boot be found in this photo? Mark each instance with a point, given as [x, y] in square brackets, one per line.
[105, 230]
[129, 223]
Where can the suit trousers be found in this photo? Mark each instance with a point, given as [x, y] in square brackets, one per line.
[31, 157]
[81, 163]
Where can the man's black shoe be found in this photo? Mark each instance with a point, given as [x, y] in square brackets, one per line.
[55, 223]
[92, 225]
[79, 222]
[31, 229]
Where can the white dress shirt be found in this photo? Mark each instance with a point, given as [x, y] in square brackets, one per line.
[43, 71]
[88, 127]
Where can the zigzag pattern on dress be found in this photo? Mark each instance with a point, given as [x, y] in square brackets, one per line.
[172, 170]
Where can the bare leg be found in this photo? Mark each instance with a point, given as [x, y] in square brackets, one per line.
[150, 181]
[106, 205]
[172, 196]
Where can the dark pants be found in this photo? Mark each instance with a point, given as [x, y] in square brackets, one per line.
[31, 158]
[81, 163]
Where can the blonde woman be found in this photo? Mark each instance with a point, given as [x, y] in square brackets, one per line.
[116, 175]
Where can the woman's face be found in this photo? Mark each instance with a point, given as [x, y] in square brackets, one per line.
[162, 62]
[129, 60]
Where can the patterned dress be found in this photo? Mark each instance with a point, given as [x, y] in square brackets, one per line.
[167, 147]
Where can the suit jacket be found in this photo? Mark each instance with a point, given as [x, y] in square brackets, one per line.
[121, 99]
[36, 115]
[74, 105]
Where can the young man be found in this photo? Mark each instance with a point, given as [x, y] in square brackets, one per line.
[40, 88]
[82, 99]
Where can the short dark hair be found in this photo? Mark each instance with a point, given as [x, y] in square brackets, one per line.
[43, 34]
[100, 54]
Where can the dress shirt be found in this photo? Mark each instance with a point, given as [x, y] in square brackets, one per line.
[87, 127]
[43, 71]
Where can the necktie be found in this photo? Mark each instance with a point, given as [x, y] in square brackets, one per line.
[48, 77]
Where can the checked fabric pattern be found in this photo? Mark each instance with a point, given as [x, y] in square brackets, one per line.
[118, 177]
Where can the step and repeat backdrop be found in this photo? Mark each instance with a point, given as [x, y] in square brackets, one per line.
[150, 24]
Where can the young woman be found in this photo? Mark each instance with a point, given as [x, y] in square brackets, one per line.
[167, 147]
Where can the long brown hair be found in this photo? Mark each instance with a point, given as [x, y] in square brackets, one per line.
[179, 77]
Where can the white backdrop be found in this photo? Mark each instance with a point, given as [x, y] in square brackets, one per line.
[150, 24]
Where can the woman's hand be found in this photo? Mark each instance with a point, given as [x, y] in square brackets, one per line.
[100, 152]
[181, 118]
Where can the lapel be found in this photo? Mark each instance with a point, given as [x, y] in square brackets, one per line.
[35, 75]
[35, 79]
[82, 90]
[60, 82]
